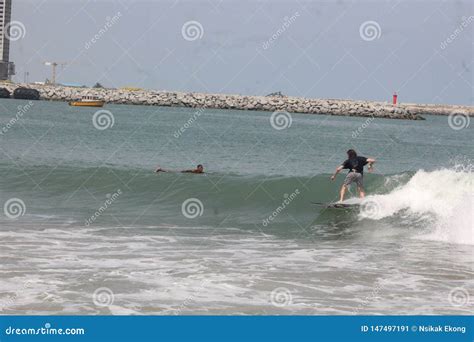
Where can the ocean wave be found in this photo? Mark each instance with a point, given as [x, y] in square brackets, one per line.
[443, 198]
[440, 201]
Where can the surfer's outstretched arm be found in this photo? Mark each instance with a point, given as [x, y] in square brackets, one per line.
[339, 168]
[370, 161]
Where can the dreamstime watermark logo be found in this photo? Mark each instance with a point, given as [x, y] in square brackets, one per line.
[281, 297]
[192, 30]
[280, 120]
[15, 30]
[286, 202]
[103, 119]
[287, 22]
[14, 208]
[109, 22]
[178, 133]
[192, 208]
[458, 121]
[103, 296]
[370, 30]
[370, 209]
[452, 37]
[21, 111]
[362, 127]
[47, 329]
[459, 297]
[111, 198]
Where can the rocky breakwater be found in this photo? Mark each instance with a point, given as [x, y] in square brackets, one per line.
[225, 101]
[430, 109]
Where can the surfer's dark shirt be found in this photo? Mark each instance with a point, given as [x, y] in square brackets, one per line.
[356, 164]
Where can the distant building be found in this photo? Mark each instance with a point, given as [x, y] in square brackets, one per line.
[7, 68]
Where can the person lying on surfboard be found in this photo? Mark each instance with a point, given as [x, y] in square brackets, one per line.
[355, 164]
[198, 169]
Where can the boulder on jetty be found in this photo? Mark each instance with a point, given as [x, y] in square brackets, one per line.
[4, 93]
[24, 93]
[240, 102]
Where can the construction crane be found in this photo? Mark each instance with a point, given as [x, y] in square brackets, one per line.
[54, 65]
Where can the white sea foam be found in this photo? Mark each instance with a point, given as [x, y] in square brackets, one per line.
[444, 196]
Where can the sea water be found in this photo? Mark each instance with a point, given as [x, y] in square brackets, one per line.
[87, 227]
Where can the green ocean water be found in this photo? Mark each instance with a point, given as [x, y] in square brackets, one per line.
[83, 211]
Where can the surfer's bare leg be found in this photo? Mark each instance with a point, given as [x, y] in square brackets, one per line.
[360, 186]
[342, 193]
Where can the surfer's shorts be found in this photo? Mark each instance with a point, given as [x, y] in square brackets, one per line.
[354, 177]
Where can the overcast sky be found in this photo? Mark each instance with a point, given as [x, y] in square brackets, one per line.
[301, 48]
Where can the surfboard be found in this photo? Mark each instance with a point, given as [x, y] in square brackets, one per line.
[337, 205]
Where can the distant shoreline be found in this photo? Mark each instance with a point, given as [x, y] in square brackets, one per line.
[240, 102]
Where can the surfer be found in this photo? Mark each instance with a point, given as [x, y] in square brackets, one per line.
[355, 164]
[198, 169]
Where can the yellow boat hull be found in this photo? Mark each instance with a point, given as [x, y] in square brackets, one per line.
[87, 103]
